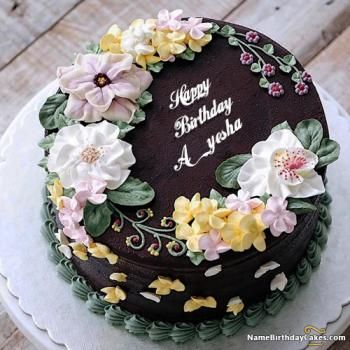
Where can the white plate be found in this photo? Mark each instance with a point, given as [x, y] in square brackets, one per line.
[37, 291]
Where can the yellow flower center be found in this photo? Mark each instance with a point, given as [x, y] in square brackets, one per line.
[90, 154]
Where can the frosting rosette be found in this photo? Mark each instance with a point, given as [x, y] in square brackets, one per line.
[102, 86]
[93, 151]
[280, 166]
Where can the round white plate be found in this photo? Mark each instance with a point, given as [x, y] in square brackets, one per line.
[39, 300]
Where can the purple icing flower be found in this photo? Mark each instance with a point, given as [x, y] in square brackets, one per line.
[269, 70]
[277, 217]
[275, 89]
[246, 58]
[90, 189]
[242, 202]
[71, 213]
[195, 28]
[102, 86]
[213, 245]
[301, 88]
[306, 77]
[169, 20]
[252, 37]
[78, 234]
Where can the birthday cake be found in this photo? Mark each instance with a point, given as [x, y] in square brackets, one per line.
[186, 163]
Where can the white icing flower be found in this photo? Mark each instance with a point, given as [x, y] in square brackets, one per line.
[80, 152]
[136, 39]
[279, 282]
[281, 167]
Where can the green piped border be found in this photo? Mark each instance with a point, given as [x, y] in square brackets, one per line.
[182, 332]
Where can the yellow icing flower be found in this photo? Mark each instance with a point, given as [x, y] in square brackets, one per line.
[164, 285]
[79, 250]
[196, 303]
[187, 233]
[56, 193]
[244, 230]
[210, 217]
[185, 210]
[118, 276]
[235, 305]
[114, 294]
[168, 44]
[144, 60]
[101, 251]
[196, 45]
[111, 40]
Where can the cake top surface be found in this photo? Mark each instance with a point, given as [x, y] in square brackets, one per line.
[154, 131]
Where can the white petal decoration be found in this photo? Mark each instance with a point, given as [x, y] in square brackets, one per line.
[281, 167]
[234, 301]
[271, 265]
[212, 271]
[62, 238]
[93, 151]
[279, 282]
[151, 296]
[65, 250]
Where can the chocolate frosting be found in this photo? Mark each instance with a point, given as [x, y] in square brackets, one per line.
[157, 151]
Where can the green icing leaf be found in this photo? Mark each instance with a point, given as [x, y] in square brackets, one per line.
[133, 192]
[264, 197]
[296, 77]
[300, 206]
[289, 60]
[214, 28]
[47, 142]
[97, 218]
[327, 153]
[255, 67]
[155, 67]
[144, 99]
[43, 163]
[281, 126]
[310, 134]
[232, 41]
[68, 192]
[269, 49]
[218, 197]
[63, 121]
[264, 83]
[93, 48]
[50, 178]
[227, 31]
[124, 128]
[188, 55]
[139, 117]
[285, 69]
[195, 257]
[227, 172]
[51, 109]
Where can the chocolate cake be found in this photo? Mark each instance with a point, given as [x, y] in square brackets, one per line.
[186, 164]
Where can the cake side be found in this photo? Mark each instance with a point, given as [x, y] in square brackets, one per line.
[211, 202]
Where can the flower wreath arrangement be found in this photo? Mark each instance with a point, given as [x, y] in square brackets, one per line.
[101, 99]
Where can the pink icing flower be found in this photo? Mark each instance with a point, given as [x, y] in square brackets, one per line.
[169, 20]
[277, 217]
[252, 37]
[71, 213]
[213, 245]
[92, 190]
[246, 58]
[301, 88]
[102, 86]
[195, 28]
[242, 202]
[78, 234]
[275, 89]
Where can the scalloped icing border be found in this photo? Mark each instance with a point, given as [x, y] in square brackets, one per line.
[182, 332]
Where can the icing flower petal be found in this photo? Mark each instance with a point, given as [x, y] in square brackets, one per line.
[169, 20]
[77, 233]
[164, 285]
[235, 305]
[213, 245]
[280, 166]
[277, 217]
[114, 294]
[279, 282]
[77, 155]
[242, 202]
[196, 303]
